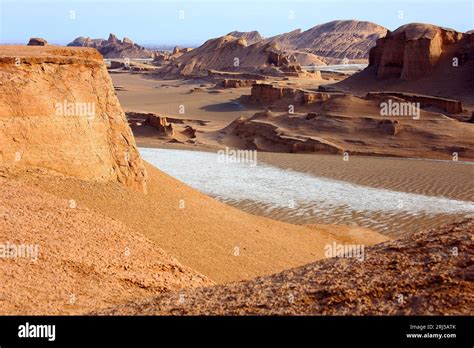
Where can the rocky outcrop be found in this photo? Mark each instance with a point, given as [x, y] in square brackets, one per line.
[237, 83]
[36, 41]
[267, 94]
[260, 133]
[334, 41]
[127, 41]
[448, 105]
[161, 124]
[412, 51]
[83, 259]
[222, 75]
[59, 111]
[180, 50]
[250, 36]
[114, 47]
[419, 58]
[232, 54]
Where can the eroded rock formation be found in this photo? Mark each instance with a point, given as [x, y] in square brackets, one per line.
[36, 41]
[114, 47]
[59, 111]
[268, 94]
[413, 50]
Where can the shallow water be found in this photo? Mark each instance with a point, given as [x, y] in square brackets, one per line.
[303, 198]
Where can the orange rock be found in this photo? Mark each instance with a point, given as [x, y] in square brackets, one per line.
[412, 51]
[59, 111]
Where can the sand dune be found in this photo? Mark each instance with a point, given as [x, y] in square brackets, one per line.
[84, 261]
[204, 235]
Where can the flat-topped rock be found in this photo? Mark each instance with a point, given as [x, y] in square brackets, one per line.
[59, 111]
[36, 41]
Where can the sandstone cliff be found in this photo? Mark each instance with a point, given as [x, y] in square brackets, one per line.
[420, 58]
[412, 51]
[59, 111]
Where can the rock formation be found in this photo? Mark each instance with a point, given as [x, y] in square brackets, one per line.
[449, 106]
[36, 41]
[237, 83]
[237, 51]
[85, 259]
[267, 94]
[335, 40]
[419, 58]
[229, 53]
[412, 51]
[59, 111]
[113, 47]
[328, 122]
[250, 36]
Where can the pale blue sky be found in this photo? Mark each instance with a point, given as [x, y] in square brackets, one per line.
[159, 22]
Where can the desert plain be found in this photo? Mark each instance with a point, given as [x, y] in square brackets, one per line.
[365, 142]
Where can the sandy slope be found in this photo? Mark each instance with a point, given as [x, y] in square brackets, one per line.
[429, 273]
[85, 260]
[217, 240]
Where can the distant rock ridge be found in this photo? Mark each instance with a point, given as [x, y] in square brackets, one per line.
[350, 39]
[59, 111]
[250, 36]
[229, 53]
[114, 47]
[330, 43]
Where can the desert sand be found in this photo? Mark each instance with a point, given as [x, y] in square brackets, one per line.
[219, 241]
[114, 232]
[425, 274]
[87, 224]
[85, 260]
[229, 118]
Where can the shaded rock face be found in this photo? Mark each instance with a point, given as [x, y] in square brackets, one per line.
[59, 111]
[36, 41]
[113, 47]
[336, 40]
[412, 51]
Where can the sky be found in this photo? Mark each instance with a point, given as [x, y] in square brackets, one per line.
[192, 22]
